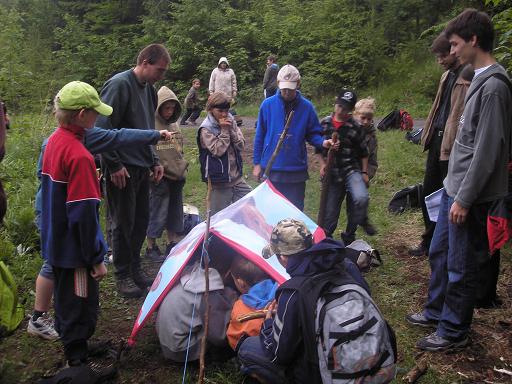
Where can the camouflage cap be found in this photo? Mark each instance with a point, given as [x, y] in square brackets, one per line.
[288, 237]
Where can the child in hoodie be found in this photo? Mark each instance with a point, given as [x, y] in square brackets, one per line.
[166, 196]
[221, 143]
[257, 291]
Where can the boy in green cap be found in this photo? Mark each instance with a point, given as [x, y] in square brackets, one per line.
[71, 236]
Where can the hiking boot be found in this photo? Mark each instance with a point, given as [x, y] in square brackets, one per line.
[420, 320]
[127, 288]
[489, 304]
[436, 343]
[43, 327]
[169, 247]
[347, 238]
[154, 254]
[420, 250]
[369, 228]
[142, 279]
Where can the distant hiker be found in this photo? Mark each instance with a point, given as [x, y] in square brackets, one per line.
[364, 113]
[349, 173]
[71, 237]
[440, 129]
[3, 197]
[96, 140]
[223, 79]
[270, 77]
[166, 195]
[221, 143]
[277, 354]
[133, 97]
[257, 291]
[179, 322]
[192, 104]
[477, 176]
[290, 169]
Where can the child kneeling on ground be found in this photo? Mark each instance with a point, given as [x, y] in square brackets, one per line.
[257, 292]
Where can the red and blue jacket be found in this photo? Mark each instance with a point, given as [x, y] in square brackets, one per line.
[71, 235]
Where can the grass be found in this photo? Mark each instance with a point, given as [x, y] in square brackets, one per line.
[399, 286]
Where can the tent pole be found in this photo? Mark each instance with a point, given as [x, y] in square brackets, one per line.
[207, 283]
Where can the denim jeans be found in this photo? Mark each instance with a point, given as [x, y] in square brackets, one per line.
[294, 192]
[165, 207]
[254, 361]
[357, 204]
[459, 258]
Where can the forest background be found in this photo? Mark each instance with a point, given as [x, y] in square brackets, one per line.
[377, 47]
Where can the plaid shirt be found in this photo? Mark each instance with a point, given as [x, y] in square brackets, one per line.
[352, 147]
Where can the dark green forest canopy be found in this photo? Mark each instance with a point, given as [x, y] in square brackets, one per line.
[334, 43]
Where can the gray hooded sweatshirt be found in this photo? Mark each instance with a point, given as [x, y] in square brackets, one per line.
[477, 169]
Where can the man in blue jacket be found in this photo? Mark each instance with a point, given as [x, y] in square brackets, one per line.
[290, 168]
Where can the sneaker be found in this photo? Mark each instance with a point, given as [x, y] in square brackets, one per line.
[127, 288]
[420, 320]
[154, 254]
[43, 327]
[169, 247]
[369, 228]
[92, 372]
[420, 250]
[142, 279]
[436, 343]
[183, 123]
[347, 238]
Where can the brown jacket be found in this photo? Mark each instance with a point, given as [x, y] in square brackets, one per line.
[456, 108]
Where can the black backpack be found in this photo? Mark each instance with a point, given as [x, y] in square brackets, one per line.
[409, 197]
[390, 121]
[414, 136]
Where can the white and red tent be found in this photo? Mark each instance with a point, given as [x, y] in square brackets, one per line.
[244, 227]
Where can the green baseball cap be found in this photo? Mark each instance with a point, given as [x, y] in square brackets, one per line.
[77, 95]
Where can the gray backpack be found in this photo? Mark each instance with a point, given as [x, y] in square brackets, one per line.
[355, 341]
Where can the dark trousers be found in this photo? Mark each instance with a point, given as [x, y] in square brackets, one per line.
[192, 113]
[75, 316]
[461, 269]
[435, 172]
[129, 209]
[294, 192]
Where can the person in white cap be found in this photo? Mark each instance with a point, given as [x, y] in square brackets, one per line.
[223, 79]
[290, 168]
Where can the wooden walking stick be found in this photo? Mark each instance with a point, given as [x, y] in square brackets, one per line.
[268, 168]
[326, 181]
[204, 256]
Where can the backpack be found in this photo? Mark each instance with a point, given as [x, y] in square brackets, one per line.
[363, 255]
[346, 339]
[414, 136]
[191, 218]
[409, 197]
[396, 119]
[11, 312]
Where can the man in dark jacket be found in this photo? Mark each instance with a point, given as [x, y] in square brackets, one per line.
[278, 354]
[270, 77]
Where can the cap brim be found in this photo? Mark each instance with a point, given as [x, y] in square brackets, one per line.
[267, 252]
[104, 109]
[287, 85]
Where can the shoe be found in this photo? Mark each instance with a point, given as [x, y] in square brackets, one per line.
[97, 348]
[420, 250]
[43, 327]
[169, 247]
[127, 288]
[436, 343]
[192, 122]
[347, 238]
[489, 304]
[142, 279]
[82, 373]
[154, 254]
[183, 123]
[420, 320]
[369, 228]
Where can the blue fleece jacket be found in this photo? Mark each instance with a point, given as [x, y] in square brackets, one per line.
[304, 127]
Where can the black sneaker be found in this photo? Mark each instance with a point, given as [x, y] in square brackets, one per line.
[420, 250]
[369, 229]
[82, 374]
[154, 254]
[127, 288]
[420, 320]
[183, 123]
[142, 279]
[436, 343]
[169, 247]
[347, 238]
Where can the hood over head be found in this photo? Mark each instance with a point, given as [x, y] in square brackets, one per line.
[165, 94]
[223, 59]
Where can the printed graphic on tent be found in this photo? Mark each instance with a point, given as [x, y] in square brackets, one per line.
[244, 226]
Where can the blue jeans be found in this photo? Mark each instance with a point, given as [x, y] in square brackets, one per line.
[254, 361]
[458, 255]
[357, 203]
[294, 192]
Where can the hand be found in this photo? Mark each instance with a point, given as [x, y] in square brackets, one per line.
[158, 173]
[270, 308]
[226, 124]
[166, 135]
[256, 172]
[99, 271]
[366, 179]
[322, 170]
[458, 213]
[119, 178]
[329, 143]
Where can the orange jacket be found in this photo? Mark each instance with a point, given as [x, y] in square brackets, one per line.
[237, 329]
